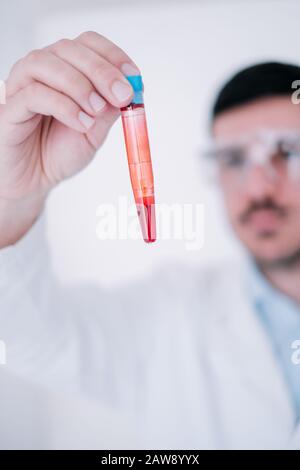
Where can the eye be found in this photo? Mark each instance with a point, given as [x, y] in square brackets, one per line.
[233, 157]
[286, 150]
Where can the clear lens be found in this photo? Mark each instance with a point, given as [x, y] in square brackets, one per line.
[276, 152]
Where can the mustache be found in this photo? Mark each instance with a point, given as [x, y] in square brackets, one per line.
[265, 204]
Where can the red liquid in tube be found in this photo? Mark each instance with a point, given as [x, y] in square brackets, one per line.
[140, 167]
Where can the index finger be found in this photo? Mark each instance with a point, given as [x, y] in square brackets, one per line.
[110, 51]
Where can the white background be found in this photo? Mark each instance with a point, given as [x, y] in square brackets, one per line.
[185, 50]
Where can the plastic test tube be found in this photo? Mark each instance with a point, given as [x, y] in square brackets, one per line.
[139, 158]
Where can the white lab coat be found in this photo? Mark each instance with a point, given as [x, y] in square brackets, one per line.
[184, 352]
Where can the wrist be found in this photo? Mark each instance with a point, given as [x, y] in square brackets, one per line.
[17, 217]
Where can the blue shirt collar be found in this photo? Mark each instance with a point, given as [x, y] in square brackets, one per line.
[280, 316]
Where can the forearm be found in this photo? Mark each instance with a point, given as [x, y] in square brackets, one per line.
[34, 318]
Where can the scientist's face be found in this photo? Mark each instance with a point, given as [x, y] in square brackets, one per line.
[260, 177]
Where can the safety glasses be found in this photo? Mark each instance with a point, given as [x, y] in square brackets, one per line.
[276, 152]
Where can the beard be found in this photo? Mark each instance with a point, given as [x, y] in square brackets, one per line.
[286, 261]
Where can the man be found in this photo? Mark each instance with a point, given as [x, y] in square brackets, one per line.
[202, 359]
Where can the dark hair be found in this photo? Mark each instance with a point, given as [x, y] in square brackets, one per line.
[258, 81]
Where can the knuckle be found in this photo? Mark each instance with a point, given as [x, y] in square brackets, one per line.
[32, 90]
[78, 85]
[116, 54]
[88, 35]
[63, 43]
[33, 56]
[75, 80]
[103, 72]
[65, 107]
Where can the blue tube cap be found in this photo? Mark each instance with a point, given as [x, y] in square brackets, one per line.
[137, 85]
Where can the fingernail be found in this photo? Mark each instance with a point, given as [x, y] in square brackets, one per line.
[85, 119]
[121, 91]
[129, 69]
[97, 102]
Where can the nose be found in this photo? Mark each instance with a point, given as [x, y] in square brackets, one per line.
[259, 182]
